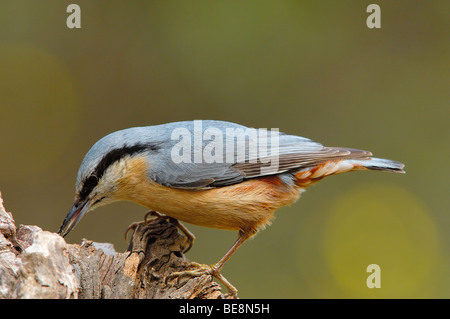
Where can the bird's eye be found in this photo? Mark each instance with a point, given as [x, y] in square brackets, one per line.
[88, 186]
[91, 182]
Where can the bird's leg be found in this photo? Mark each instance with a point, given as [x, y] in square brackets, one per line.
[187, 234]
[214, 270]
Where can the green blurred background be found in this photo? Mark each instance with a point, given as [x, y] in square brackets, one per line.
[310, 68]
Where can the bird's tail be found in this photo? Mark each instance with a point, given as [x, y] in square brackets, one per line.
[380, 164]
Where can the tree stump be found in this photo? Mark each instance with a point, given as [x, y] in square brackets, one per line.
[40, 264]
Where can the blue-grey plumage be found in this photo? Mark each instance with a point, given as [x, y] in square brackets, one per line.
[211, 173]
[161, 139]
[156, 145]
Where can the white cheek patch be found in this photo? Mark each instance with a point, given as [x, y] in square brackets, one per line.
[115, 172]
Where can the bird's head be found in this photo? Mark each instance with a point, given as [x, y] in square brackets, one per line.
[100, 175]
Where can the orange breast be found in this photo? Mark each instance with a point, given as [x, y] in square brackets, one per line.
[245, 206]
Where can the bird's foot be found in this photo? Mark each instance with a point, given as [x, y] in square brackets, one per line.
[195, 269]
[132, 227]
[189, 237]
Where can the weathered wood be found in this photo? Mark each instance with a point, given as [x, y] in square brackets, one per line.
[40, 264]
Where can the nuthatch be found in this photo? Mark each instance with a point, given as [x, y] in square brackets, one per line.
[207, 182]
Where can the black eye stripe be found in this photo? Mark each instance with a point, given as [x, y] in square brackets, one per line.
[107, 160]
[88, 186]
[92, 181]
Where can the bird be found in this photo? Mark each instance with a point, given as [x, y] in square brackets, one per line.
[211, 173]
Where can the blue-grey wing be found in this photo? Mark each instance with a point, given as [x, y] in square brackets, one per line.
[182, 162]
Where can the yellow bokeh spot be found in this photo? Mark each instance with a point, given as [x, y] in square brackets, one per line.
[387, 226]
[39, 109]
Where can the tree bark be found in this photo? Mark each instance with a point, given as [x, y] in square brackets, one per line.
[39, 264]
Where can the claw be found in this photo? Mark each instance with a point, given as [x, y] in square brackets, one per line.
[152, 213]
[187, 234]
[130, 227]
[195, 269]
[146, 220]
[214, 270]
[189, 237]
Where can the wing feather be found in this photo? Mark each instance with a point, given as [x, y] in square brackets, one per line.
[292, 153]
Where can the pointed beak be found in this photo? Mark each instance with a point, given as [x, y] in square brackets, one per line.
[73, 217]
